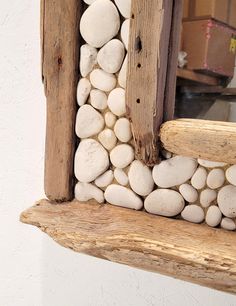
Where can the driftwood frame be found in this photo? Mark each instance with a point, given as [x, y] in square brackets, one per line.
[191, 252]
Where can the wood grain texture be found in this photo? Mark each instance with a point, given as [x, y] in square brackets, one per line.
[146, 77]
[60, 56]
[198, 77]
[211, 140]
[177, 248]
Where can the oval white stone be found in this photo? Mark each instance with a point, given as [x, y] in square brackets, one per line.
[207, 196]
[110, 119]
[210, 164]
[199, 178]
[88, 58]
[122, 155]
[189, 193]
[122, 130]
[102, 80]
[98, 99]
[140, 178]
[116, 101]
[121, 177]
[164, 202]
[91, 160]
[231, 175]
[89, 122]
[216, 178]
[122, 196]
[83, 90]
[213, 216]
[105, 179]
[193, 213]
[123, 73]
[228, 224]
[108, 139]
[85, 192]
[89, 1]
[174, 171]
[227, 201]
[124, 7]
[124, 32]
[110, 56]
[99, 23]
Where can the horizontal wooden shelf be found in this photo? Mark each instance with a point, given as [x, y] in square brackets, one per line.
[197, 77]
[191, 252]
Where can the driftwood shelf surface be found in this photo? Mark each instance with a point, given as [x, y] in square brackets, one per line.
[177, 248]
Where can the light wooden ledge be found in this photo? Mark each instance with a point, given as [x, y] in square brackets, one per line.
[176, 248]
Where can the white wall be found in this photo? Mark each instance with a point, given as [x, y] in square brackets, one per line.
[34, 271]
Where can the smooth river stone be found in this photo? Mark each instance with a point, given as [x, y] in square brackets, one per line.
[199, 178]
[122, 130]
[121, 177]
[98, 99]
[116, 101]
[140, 178]
[124, 33]
[174, 171]
[122, 196]
[83, 90]
[102, 80]
[164, 202]
[89, 122]
[110, 57]
[227, 201]
[88, 58]
[213, 216]
[122, 155]
[85, 192]
[124, 7]
[89, 2]
[216, 178]
[193, 213]
[110, 119]
[100, 23]
[231, 175]
[123, 73]
[91, 160]
[228, 224]
[105, 179]
[189, 193]
[207, 196]
[210, 164]
[108, 139]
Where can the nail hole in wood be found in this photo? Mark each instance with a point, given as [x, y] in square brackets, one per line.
[138, 100]
[138, 44]
[132, 16]
[139, 65]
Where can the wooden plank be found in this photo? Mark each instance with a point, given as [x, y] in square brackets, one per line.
[211, 140]
[174, 45]
[198, 77]
[147, 65]
[191, 252]
[60, 56]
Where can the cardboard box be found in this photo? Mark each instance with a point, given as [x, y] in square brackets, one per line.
[210, 45]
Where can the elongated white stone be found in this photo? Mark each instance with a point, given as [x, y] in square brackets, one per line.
[89, 122]
[122, 155]
[124, 7]
[199, 178]
[88, 58]
[105, 179]
[231, 175]
[83, 90]
[121, 177]
[228, 224]
[108, 139]
[188, 192]
[110, 119]
[98, 99]
[85, 192]
[116, 101]
[193, 213]
[210, 164]
[216, 178]
[122, 130]
[123, 73]
[99, 23]
[207, 196]
[124, 32]
[213, 216]
[227, 201]
[102, 80]
[122, 196]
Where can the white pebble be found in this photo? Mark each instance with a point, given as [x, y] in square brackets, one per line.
[110, 119]
[124, 7]
[189, 193]
[89, 122]
[102, 80]
[164, 202]
[166, 154]
[108, 139]
[174, 171]
[216, 178]
[199, 178]
[110, 57]
[228, 224]
[227, 201]
[122, 130]
[124, 32]
[140, 178]
[89, 1]
[122, 196]
[193, 213]
[207, 196]
[123, 73]
[213, 216]
[91, 160]
[121, 177]
[210, 164]
[231, 175]
[100, 23]
[105, 179]
[83, 90]
[122, 155]
[116, 101]
[88, 58]
[98, 99]
[85, 192]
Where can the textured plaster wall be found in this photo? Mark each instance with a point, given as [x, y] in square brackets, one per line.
[34, 271]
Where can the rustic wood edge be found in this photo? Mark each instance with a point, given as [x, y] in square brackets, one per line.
[183, 250]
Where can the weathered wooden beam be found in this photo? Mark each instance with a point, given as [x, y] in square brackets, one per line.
[147, 66]
[191, 252]
[60, 56]
[198, 77]
[212, 140]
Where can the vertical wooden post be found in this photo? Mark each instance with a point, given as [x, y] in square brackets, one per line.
[60, 56]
